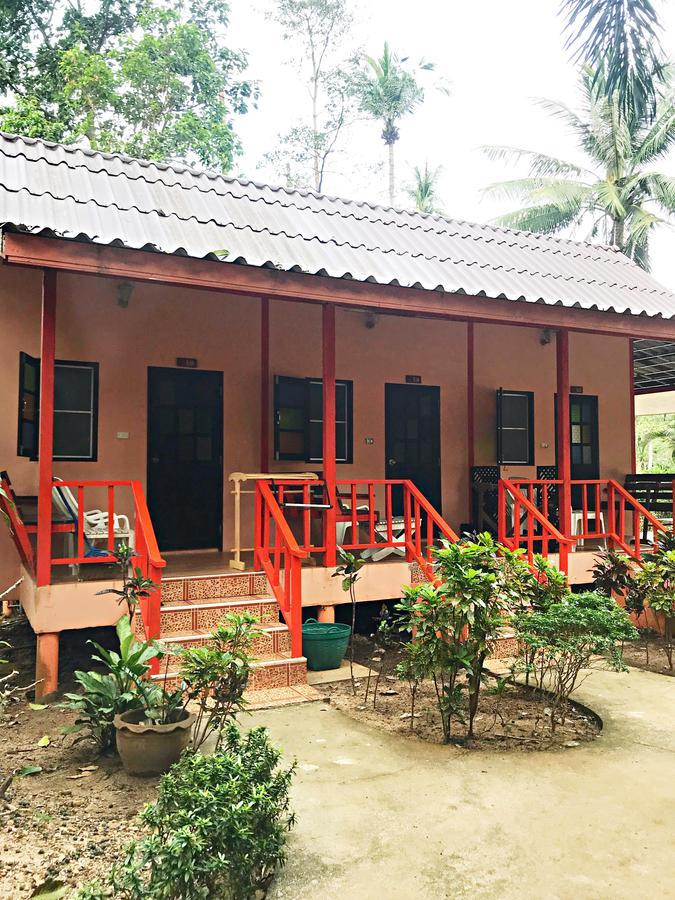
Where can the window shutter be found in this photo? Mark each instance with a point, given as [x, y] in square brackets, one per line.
[29, 406]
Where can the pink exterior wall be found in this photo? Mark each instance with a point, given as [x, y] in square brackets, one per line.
[222, 332]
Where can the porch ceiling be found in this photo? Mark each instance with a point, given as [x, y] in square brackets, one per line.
[68, 192]
[654, 365]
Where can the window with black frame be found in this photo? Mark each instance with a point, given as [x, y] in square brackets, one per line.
[75, 409]
[298, 419]
[515, 427]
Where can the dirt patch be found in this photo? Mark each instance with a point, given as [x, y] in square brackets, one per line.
[635, 654]
[70, 821]
[516, 718]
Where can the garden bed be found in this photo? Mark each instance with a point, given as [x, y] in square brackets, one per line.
[518, 719]
[635, 654]
[70, 821]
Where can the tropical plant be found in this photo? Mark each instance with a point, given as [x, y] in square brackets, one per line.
[611, 572]
[348, 571]
[454, 621]
[622, 39]
[135, 586]
[122, 687]
[423, 191]
[214, 677]
[580, 632]
[144, 77]
[387, 90]
[217, 829]
[619, 196]
[654, 583]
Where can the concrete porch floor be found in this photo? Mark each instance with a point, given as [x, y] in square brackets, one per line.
[384, 816]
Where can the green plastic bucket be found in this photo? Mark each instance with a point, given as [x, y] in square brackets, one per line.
[324, 644]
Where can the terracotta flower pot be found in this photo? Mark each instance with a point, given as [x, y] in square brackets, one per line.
[150, 749]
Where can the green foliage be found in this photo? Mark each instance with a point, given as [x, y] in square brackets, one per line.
[567, 636]
[215, 676]
[655, 437]
[348, 571]
[611, 572]
[423, 191]
[135, 587]
[146, 77]
[122, 687]
[617, 195]
[654, 583]
[622, 39]
[454, 621]
[217, 829]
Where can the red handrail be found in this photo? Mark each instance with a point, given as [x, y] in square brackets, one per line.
[414, 503]
[282, 563]
[17, 528]
[547, 530]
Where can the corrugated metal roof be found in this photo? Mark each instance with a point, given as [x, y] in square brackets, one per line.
[71, 192]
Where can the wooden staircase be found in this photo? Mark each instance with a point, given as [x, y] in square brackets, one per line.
[193, 605]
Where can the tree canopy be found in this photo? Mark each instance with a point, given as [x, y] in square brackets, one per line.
[619, 196]
[144, 77]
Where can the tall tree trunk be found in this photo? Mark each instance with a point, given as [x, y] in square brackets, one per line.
[392, 183]
[316, 163]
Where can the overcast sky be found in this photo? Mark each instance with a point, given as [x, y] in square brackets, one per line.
[496, 55]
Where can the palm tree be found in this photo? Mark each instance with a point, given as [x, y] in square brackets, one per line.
[619, 197]
[387, 91]
[621, 39]
[423, 191]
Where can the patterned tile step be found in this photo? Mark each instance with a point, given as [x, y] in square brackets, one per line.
[265, 675]
[274, 641]
[194, 617]
[504, 645]
[201, 588]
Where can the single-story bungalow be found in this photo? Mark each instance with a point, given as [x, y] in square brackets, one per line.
[240, 378]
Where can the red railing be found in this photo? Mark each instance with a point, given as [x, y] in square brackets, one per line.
[17, 529]
[291, 518]
[522, 525]
[147, 555]
[601, 510]
[277, 553]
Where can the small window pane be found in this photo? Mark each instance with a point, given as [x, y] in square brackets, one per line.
[72, 435]
[315, 441]
[292, 444]
[515, 446]
[315, 400]
[291, 419]
[515, 410]
[576, 454]
[576, 434]
[73, 388]
[575, 412]
[341, 448]
[587, 456]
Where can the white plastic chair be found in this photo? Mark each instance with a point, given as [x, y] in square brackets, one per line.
[95, 524]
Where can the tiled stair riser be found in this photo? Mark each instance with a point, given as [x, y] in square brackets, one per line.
[193, 618]
[203, 588]
[269, 643]
[264, 675]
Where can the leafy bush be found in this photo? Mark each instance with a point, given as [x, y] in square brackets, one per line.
[453, 622]
[215, 676]
[611, 572]
[566, 636]
[654, 583]
[217, 829]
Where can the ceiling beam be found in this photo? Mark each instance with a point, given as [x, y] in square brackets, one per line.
[142, 265]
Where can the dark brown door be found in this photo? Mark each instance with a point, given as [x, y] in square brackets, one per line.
[413, 439]
[185, 458]
[584, 444]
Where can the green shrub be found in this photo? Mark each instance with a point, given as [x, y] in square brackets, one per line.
[566, 637]
[654, 583]
[217, 829]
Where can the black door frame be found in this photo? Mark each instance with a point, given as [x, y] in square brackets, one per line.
[220, 431]
[431, 389]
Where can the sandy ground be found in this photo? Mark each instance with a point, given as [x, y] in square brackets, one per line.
[380, 815]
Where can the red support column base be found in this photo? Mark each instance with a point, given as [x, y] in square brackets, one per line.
[325, 614]
[47, 664]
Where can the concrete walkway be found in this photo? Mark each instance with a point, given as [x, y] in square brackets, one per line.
[380, 816]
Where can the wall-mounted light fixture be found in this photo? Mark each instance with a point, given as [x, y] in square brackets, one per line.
[546, 337]
[124, 292]
[370, 320]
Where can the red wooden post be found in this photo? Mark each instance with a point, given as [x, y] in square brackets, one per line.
[264, 384]
[631, 393]
[329, 466]
[470, 405]
[46, 425]
[564, 453]
[257, 526]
